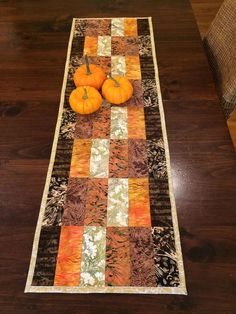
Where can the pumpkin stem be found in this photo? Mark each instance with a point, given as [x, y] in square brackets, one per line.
[87, 64]
[117, 84]
[85, 96]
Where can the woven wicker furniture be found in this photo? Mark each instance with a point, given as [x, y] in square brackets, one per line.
[220, 45]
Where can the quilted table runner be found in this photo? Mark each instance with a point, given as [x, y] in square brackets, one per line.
[108, 220]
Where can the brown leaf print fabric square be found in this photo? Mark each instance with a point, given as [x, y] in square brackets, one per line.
[137, 98]
[101, 122]
[92, 28]
[138, 166]
[103, 62]
[131, 46]
[75, 205]
[142, 257]
[118, 163]
[84, 127]
[96, 203]
[117, 46]
[104, 27]
[118, 270]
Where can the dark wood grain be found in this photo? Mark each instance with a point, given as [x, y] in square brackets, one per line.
[33, 43]
[205, 11]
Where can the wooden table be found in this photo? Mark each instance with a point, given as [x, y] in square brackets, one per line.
[33, 44]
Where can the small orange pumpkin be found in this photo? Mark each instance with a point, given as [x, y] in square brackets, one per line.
[85, 100]
[117, 90]
[89, 75]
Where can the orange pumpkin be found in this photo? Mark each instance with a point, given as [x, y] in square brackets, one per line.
[85, 100]
[117, 90]
[89, 75]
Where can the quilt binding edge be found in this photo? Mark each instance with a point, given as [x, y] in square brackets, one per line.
[181, 289]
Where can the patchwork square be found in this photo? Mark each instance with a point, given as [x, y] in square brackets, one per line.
[119, 122]
[68, 125]
[91, 46]
[99, 161]
[165, 257]
[47, 256]
[138, 160]
[131, 46]
[143, 27]
[117, 27]
[145, 46]
[96, 203]
[103, 62]
[150, 93]
[104, 27]
[80, 166]
[55, 202]
[147, 67]
[137, 97]
[118, 46]
[133, 71]
[136, 123]
[61, 166]
[75, 203]
[92, 27]
[69, 256]
[139, 204]
[93, 257]
[153, 129]
[130, 27]
[104, 46]
[77, 46]
[118, 270]
[80, 27]
[117, 207]
[160, 203]
[156, 158]
[118, 66]
[118, 162]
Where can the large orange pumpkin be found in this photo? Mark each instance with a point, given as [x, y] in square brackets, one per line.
[85, 100]
[89, 75]
[117, 90]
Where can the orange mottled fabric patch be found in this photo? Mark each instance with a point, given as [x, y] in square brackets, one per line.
[133, 71]
[69, 256]
[80, 160]
[130, 26]
[90, 45]
[136, 123]
[139, 204]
